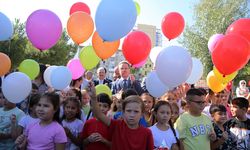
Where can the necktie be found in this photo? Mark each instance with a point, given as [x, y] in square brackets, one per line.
[125, 84]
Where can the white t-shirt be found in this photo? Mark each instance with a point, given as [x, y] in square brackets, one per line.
[163, 139]
[206, 111]
[26, 120]
[75, 128]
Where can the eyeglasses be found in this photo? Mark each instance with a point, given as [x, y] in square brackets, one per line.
[198, 102]
[243, 83]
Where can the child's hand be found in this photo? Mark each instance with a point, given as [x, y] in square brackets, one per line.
[99, 137]
[92, 90]
[67, 131]
[21, 141]
[93, 137]
[224, 135]
[212, 136]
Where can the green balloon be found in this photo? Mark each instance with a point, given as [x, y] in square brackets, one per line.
[101, 88]
[30, 67]
[138, 9]
[88, 58]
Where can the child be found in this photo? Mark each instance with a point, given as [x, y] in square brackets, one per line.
[175, 112]
[95, 133]
[165, 136]
[225, 139]
[8, 112]
[195, 129]
[85, 103]
[169, 97]
[46, 133]
[149, 104]
[71, 122]
[126, 133]
[240, 124]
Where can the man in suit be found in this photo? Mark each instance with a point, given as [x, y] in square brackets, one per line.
[101, 73]
[127, 80]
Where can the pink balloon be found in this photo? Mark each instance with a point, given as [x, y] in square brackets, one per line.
[79, 6]
[75, 68]
[43, 28]
[213, 41]
[140, 64]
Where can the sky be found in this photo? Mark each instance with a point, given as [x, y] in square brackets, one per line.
[152, 11]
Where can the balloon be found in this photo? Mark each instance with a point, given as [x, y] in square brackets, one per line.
[79, 6]
[16, 87]
[60, 77]
[213, 41]
[138, 9]
[154, 85]
[172, 25]
[80, 26]
[241, 27]
[6, 27]
[140, 64]
[173, 66]
[231, 54]
[213, 83]
[229, 86]
[88, 58]
[30, 67]
[224, 78]
[43, 28]
[114, 19]
[103, 49]
[47, 75]
[76, 68]
[136, 47]
[5, 64]
[196, 73]
[101, 88]
[154, 53]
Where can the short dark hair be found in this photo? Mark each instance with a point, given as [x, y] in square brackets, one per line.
[128, 92]
[194, 92]
[104, 98]
[215, 108]
[124, 62]
[133, 99]
[241, 102]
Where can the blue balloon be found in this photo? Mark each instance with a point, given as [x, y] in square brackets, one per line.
[6, 27]
[60, 78]
[115, 18]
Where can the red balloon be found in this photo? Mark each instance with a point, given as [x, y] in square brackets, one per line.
[79, 6]
[172, 25]
[231, 54]
[136, 47]
[241, 27]
[229, 86]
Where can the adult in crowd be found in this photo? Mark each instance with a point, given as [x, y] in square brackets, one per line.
[242, 90]
[101, 74]
[127, 80]
[116, 74]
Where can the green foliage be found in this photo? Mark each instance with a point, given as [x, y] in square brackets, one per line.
[211, 17]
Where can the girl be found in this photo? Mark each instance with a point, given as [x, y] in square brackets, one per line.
[175, 112]
[169, 97]
[165, 136]
[46, 133]
[71, 122]
[149, 104]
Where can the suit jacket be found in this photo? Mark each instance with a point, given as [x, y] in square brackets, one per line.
[105, 81]
[119, 85]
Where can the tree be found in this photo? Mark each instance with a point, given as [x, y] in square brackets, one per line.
[211, 17]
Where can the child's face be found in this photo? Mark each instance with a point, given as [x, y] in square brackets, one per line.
[148, 102]
[104, 107]
[163, 114]
[45, 109]
[170, 98]
[237, 111]
[175, 114]
[197, 104]
[70, 110]
[132, 114]
[85, 99]
[220, 117]
[118, 104]
[221, 98]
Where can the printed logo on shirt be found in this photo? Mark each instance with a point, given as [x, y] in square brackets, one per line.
[199, 130]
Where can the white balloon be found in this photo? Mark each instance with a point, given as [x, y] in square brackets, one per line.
[173, 65]
[154, 85]
[60, 77]
[47, 74]
[16, 87]
[196, 72]
[154, 53]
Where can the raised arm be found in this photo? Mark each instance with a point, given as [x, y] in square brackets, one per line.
[95, 108]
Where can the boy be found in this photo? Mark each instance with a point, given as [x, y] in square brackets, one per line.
[240, 124]
[95, 133]
[195, 129]
[126, 134]
[225, 138]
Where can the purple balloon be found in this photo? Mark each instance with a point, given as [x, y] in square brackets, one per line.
[76, 68]
[44, 29]
[213, 41]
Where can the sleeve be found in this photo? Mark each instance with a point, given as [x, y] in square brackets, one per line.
[150, 141]
[60, 135]
[137, 87]
[113, 125]
[23, 122]
[113, 88]
[180, 126]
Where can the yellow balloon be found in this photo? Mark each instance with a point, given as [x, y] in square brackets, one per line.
[30, 67]
[101, 88]
[224, 78]
[138, 8]
[88, 57]
[213, 83]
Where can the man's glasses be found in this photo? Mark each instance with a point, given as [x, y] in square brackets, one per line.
[198, 102]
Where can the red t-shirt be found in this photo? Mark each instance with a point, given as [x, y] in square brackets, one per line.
[95, 126]
[124, 138]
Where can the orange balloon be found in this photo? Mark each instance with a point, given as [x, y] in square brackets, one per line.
[80, 26]
[5, 64]
[103, 49]
[214, 84]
